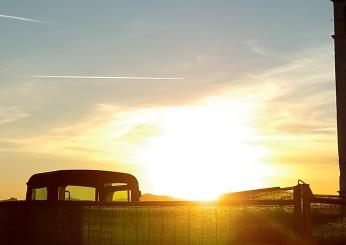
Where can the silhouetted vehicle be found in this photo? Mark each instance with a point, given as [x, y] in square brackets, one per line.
[83, 185]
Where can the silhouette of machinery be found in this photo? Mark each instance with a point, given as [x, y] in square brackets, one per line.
[83, 185]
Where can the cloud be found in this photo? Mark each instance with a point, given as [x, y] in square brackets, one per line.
[107, 133]
[203, 58]
[106, 77]
[255, 47]
[23, 19]
[297, 118]
[11, 114]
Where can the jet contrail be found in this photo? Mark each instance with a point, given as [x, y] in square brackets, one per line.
[107, 77]
[23, 19]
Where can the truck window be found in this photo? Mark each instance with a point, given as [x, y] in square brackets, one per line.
[39, 193]
[79, 193]
[122, 196]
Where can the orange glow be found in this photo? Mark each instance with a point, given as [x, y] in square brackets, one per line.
[193, 152]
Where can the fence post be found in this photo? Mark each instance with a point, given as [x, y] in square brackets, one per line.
[307, 194]
[297, 207]
[302, 195]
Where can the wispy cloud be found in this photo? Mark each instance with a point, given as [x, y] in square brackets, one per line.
[203, 58]
[253, 45]
[23, 19]
[107, 77]
[297, 115]
[256, 47]
[11, 114]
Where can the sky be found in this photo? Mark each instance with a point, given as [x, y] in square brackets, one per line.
[195, 98]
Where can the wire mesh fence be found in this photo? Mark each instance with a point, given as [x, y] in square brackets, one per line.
[328, 222]
[274, 216]
[147, 224]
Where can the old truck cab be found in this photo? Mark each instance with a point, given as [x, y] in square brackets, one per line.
[83, 185]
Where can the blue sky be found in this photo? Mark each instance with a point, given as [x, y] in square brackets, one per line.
[241, 48]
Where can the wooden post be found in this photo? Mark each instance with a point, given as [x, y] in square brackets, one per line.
[307, 194]
[297, 208]
[302, 199]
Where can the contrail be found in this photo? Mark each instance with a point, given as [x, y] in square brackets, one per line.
[107, 77]
[23, 19]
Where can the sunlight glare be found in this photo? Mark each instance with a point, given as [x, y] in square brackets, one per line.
[205, 150]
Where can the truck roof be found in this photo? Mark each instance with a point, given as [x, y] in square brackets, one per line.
[81, 177]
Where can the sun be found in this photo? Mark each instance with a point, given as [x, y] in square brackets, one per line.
[205, 150]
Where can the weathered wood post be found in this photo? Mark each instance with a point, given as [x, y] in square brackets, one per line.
[340, 77]
[297, 207]
[302, 195]
[306, 198]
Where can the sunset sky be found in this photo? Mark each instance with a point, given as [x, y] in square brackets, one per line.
[195, 98]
